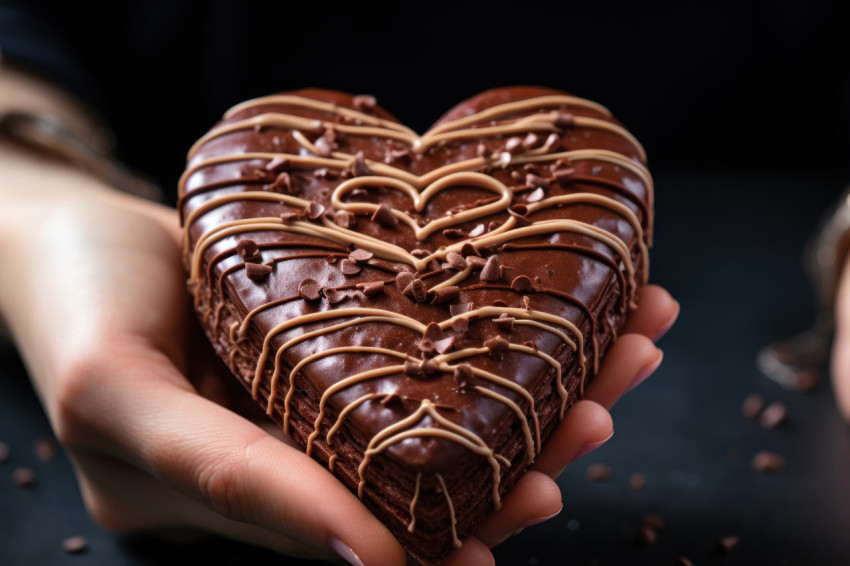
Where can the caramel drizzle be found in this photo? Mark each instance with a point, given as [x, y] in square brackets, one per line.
[420, 189]
[412, 526]
[455, 541]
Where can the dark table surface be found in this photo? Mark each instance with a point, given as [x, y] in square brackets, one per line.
[728, 246]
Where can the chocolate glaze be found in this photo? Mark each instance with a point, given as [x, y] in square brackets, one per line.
[455, 448]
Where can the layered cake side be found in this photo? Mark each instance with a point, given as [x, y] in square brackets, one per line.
[418, 312]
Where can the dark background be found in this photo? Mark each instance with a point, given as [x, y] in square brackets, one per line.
[743, 109]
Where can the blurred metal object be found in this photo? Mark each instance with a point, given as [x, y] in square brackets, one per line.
[793, 363]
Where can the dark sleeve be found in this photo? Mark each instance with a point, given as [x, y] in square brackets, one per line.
[29, 41]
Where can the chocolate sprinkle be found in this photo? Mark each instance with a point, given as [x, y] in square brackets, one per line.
[323, 146]
[384, 216]
[564, 120]
[521, 284]
[551, 142]
[492, 271]
[361, 255]
[563, 174]
[309, 289]
[531, 141]
[289, 215]
[766, 462]
[444, 294]
[74, 545]
[248, 250]
[349, 267]
[371, 288]
[257, 271]
[343, 218]
[476, 262]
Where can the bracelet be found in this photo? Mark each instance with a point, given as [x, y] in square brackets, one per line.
[49, 137]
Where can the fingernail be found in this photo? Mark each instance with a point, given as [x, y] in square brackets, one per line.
[663, 330]
[646, 372]
[345, 552]
[537, 520]
[591, 446]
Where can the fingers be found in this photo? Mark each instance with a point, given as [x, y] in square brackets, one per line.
[474, 553]
[841, 345]
[656, 313]
[586, 426]
[630, 360]
[232, 467]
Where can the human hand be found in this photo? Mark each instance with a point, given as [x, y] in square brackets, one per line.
[841, 344]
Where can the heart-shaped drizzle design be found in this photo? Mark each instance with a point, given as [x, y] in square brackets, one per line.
[507, 149]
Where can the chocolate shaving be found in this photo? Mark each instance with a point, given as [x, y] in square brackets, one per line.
[514, 146]
[444, 294]
[564, 119]
[349, 267]
[518, 212]
[526, 302]
[412, 369]
[531, 141]
[552, 142]
[481, 150]
[536, 195]
[403, 279]
[646, 536]
[468, 250]
[334, 296]
[454, 233]
[426, 346]
[491, 271]
[323, 146]
[493, 225]
[505, 322]
[456, 261]
[364, 102]
[563, 174]
[371, 288]
[419, 252]
[497, 345]
[521, 284]
[314, 210]
[257, 271]
[248, 251]
[343, 218]
[460, 325]
[384, 216]
[289, 215]
[360, 254]
[536, 181]
[400, 153]
[277, 164]
[477, 231]
[357, 167]
[462, 375]
[460, 308]
[284, 183]
[331, 259]
[444, 345]
[310, 290]
[416, 289]
[433, 332]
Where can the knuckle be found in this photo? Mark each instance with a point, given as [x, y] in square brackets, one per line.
[71, 405]
[220, 483]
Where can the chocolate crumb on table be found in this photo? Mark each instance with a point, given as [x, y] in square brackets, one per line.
[774, 415]
[74, 545]
[766, 462]
[45, 449]
[4, 452]
[752, 406]
[23, 477]
[636, 482]
[598, 472]
[682, 561]
[724, 545]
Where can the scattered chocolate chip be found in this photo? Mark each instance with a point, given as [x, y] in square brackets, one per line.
[277, 164]
[74, 545]
[460, 325]
[417, 290]
[505, 322]
[497, 345]
[514, 146]
[521, 284]
[444, 294]
[535, 196]
[257, 271]
[491, 271]
[460, 308]
[349, 267]
[531, 141]
[462, 375]
[444, 345]
[403, 279]
[4, 452]
[426, 346]
[433, 332]
[358, 167]
[468, 250]
[454, 233]
[360, 254]
[23, 477]
[636, 482]
[364, 102]
[598, 472]
[724, 545]
[310, 290]
[384, 216]
[314, 210]
[752, 406]
[533, 180]
[646, 536]
[412, 369]
[766, 462]
[564, 119]
[774, 415]
[334, 296]
[284, 183]
[456, 261]
[371, 288]
[248, 251]
[45, 449]
[343, 219]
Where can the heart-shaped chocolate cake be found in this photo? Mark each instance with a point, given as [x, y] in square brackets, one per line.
[417, 311]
